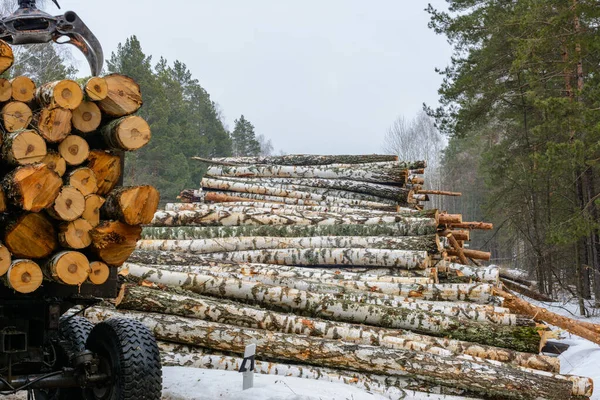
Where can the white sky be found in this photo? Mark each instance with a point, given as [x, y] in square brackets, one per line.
[314, 76]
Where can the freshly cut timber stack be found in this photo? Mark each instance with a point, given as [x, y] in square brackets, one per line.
[329, 265]
[64, 219]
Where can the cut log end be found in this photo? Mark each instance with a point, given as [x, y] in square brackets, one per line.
[107, 170]
[132, 205]
[5, 90]
[66, 94]
[5, 259]
[69, 205]
[74, 149]
[113, 242]
[96, 89]
[16, 116]
[55, 162]
[128, 133]
[31, 236]
[7, 58]
[54, 124]
[33, 187]
[24, 276]
[124, 96]
[99, 273]
[75, 235]
[87, 117]
[23, 89]
[93, 204]
[84, 180]
[69, 268]
[23, 148]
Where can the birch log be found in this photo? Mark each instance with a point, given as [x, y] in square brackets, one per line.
[427, 227]
[483, 378]
[395, 193]
[367, 172]
[150, 300]
[349, 308]
[306, 159]
[295, 191]
[223, 197]
[224, 218]
[490, 274]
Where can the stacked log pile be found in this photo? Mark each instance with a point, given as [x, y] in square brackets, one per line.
[364, 291]
[64, 220]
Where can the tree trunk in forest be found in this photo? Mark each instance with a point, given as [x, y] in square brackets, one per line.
[23, 89]
[484, 378]
[31, 235]
[113, 242]
[84, 180]
[24, 276]
[69, 268]
[65, 94]
[123, 97]
[74, 149]
[212, 232]
[128, 133]
[55, 162]
[87, 117]
[107, 170]
[96, 88]
[32, 187]
[68, 206]
[16, 116]
[131, 205]
[23, 148]
[150, 300]
[55, 124]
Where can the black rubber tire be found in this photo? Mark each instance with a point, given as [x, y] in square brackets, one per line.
[129, 353]
[74, 331]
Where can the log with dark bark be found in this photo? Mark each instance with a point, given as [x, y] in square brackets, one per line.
[150, 300]
[484, 378]
[23, 147]
[23, 89]
[96, 88]
[83, 179]
[208, 232]
[524, 290]
[65, 94]
[123, 97]
[87, 117]
[131, 205]
[32, 187]
[75, 234]
[128, 133]
[68, 206]
[54, 124]
[113, 242]
[107, 170]
[74, 149]
[31, 235]
[69, 268]
[16, 116]
[24, 276]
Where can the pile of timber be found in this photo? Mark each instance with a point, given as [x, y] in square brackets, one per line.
[384, 299]
[63, 217]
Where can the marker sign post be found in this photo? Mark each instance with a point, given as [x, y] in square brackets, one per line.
[247, 367]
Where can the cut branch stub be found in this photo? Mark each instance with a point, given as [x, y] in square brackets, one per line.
[96, 88]
[24, 276]
[5, 90]
[69, 268]
[107, 170]
[7, 58]
[31, 236]
[124, 96]
[99, 273]
[74, 149]
[32, 187]
[69, 205]
[93, 204]
[128, 133]
[84, 180]
[55, 162]
[132, 205]
[65, 94]
[87, 117]
[23, 147]
[113, 241]
[54, 124]
[16, 116]
[75, 234]
[23, 89]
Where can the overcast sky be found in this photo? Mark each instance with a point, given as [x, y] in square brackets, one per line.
[314, 76]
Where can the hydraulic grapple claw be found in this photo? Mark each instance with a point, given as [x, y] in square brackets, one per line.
[28, 25]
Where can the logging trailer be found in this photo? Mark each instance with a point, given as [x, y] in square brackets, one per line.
[50, 354]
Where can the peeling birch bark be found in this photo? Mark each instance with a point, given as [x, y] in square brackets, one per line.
[490, 274]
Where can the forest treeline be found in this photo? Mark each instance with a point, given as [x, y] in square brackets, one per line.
[520, 104]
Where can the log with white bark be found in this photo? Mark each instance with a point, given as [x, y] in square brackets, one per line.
[490, 274]
[225, 197]
[299, 191]
[376, 173]
[232, 313]
[396, 388]
[309, 159]
[428, 243]
[353, 308]
[478, 377]
[257, 217]
[429, 227]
